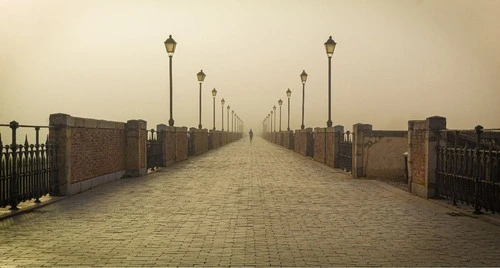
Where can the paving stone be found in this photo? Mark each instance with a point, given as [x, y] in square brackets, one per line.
[247, 204]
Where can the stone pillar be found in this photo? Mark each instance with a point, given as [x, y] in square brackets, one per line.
[359, 132]
[319, 145]
[423, 143]
[181, 144]
[60, 131]
[136, 148]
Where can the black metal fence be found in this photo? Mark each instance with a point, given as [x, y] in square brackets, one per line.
[27, 171]
[469, 168]
[154, 147]
[343, 158]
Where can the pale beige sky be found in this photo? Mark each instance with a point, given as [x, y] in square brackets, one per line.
[395, 60]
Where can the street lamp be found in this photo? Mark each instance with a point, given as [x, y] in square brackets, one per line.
[228, 108]
[201, 77]
[222, 102]
[170, 46]
[303, 78]
[330, 47]
[214, 93]
[288, 94]
[280, 102]
[274, 109]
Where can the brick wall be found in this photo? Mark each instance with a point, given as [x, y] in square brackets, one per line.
[301, 141]
[92, 152]
[97, 152]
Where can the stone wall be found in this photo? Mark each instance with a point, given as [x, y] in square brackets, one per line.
[378, 153]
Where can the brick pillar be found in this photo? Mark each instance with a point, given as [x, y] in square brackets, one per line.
[423, 143]
[61, 133]
[319, 145]
[136, 148]
[309, 142]
[359, 132]
[181, 144]
[331, 145]
[167, 136]
[291, 140]
[204, 140]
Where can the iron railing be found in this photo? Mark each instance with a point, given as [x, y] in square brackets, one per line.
[154, 148]
[469, 171]
[343, 158]
[27, 171]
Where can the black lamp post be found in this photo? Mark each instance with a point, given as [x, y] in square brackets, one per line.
[222, 102]
[170, 46]
[288, 94]
[303, 78]
[214, 93]
[201, 77]
[228, 108]
[330, 47]
[274, 109]
[280, 102]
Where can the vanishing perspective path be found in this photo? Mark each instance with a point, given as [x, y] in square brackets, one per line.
[247, 204]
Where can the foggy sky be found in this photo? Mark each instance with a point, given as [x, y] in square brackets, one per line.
[395, 60]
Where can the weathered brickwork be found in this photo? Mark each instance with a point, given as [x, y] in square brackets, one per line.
[319, 144]
[330, 147]
[181, 139]
[97, 152]
[300, 142]
[417, 151]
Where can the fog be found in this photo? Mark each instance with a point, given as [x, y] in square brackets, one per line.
[395, 60]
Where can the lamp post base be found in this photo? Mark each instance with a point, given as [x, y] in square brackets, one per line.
[329, 123]
[171, 122]
[302, 127]
[199, 126]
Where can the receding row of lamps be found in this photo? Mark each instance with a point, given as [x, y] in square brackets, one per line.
[330, 47]
[236, 121]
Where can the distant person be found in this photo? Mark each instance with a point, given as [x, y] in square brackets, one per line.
[250, 133]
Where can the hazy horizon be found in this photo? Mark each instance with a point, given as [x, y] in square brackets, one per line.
[395, 60]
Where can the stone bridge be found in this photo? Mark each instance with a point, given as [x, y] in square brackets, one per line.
[247, 204]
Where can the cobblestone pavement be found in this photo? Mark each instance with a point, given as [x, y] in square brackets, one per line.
[247, 205]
